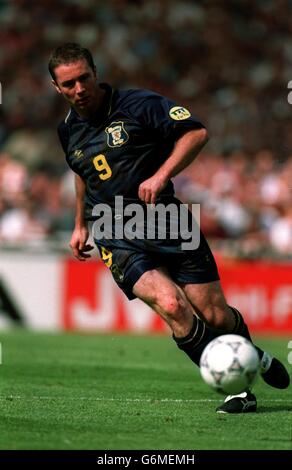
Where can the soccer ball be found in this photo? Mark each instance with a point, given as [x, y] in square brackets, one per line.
[230, 364]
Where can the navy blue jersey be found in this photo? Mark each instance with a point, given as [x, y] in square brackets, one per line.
[131, 136]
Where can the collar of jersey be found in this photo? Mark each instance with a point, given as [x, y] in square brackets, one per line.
[105, 107]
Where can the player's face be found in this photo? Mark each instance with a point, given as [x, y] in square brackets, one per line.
[77, 82]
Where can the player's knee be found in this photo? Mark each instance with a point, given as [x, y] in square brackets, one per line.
[219, 319]
[173, 307]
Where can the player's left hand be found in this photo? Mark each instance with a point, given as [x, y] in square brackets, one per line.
[150, 189]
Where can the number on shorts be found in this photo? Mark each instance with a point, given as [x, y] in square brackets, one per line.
[106, 256]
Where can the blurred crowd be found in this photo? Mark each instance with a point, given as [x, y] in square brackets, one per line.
[241, 199]
[230, 62]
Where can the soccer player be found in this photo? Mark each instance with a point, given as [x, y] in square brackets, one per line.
[129, 144]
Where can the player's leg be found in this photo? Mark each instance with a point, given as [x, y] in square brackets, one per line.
[130, 270]
[209, 303]
[140, 275]
[159, 291]
[213, 314]
[196, 271]
[191, 334]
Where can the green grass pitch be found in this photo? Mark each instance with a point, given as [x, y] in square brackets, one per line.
[111, 392]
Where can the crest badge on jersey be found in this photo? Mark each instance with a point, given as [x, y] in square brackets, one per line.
[178, 113]
[116, 134]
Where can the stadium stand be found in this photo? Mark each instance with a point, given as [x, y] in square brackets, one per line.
[206, 57]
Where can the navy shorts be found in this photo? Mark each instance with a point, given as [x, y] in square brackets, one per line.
[185, 267]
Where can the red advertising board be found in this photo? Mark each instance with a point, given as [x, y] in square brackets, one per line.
[93, 302]
[262, 291]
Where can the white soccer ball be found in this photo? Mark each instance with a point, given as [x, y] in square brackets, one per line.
[230, 364]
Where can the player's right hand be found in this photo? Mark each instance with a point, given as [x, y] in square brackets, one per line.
[79, 245]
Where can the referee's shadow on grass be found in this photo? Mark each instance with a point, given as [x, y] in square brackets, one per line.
[274, 408]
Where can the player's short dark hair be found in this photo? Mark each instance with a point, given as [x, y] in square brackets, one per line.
[68, 53]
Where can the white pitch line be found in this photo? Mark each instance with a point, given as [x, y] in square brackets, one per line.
[132, 400]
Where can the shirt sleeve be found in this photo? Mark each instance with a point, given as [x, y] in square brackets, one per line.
[165, 116]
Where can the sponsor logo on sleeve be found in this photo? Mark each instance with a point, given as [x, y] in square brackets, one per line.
[178, 113]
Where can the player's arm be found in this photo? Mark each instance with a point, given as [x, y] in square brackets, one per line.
[78, 242]
[184, 152]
